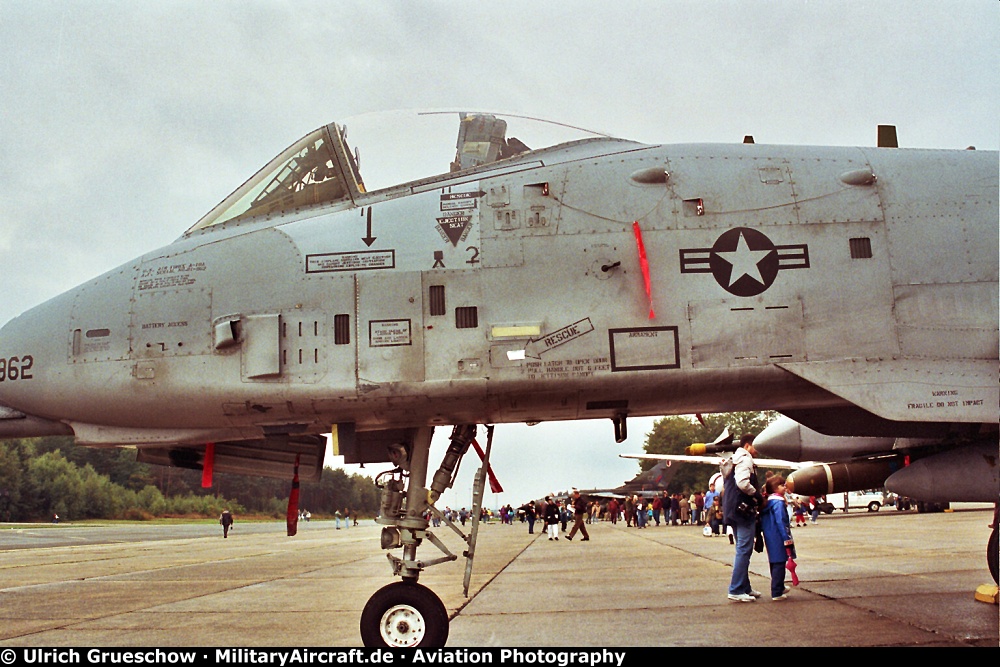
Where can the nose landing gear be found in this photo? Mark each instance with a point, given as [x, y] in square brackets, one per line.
[405, 614]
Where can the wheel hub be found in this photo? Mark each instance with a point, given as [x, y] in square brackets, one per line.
[402, 626]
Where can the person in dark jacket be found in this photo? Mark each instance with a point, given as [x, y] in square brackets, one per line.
[613, 511]
[227, 522]
[675, 510]
[529, 516]
[741, 500]
[579, 516]
[552, 518]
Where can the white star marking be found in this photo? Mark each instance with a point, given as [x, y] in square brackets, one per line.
[744, 261]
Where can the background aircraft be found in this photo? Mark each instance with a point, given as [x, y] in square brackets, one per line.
[826, 464]
[716, 460]
[523, 275]
[714, 453]
[648, 483]
[919, 468]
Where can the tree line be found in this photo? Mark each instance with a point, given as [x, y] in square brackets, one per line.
[44, 477]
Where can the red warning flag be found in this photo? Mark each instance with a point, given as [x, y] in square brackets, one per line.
[292, 515]
[494, 483]
[208, 466]
[644, 264]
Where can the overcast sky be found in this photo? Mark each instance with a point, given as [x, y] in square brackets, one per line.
[122, 123]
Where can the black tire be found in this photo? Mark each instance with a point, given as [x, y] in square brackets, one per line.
[993, 554]
[404, 615]
[873, 506]
[930, 507]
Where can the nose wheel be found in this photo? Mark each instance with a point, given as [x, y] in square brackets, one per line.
[404, 614]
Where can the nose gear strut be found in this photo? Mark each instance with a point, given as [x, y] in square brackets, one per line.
[405, 613]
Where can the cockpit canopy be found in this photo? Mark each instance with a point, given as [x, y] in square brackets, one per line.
[322, 168]
[308, 172]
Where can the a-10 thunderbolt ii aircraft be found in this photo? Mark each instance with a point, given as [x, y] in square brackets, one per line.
[647, 484]
[521, 279]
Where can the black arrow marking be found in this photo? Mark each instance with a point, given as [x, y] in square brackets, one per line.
[369, 239]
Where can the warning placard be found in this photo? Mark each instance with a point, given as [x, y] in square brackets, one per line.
[455, 228]
[644, 348]
[361, 260]
[389, 333]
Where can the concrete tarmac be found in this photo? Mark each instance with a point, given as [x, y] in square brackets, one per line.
[881, 579]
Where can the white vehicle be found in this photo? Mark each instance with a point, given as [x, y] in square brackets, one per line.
[871, 499]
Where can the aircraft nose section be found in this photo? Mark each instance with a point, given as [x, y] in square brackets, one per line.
[17, 362]
[781, 439]
[22, 385]
[8, 344]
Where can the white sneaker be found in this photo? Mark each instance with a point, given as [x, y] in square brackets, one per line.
[780, 597]
[788, 589]
[742, 597]
[755, 594]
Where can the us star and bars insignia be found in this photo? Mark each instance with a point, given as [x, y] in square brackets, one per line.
[744, 261]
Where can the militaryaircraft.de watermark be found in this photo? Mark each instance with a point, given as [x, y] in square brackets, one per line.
[303, 656]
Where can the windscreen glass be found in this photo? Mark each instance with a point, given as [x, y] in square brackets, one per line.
[380, 150]
[304, 174]
[401, 146]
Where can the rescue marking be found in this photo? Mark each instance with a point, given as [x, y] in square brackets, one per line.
[538, 346]
[564, 369]
[455, 201]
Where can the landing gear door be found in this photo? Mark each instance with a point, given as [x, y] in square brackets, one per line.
[390, 328]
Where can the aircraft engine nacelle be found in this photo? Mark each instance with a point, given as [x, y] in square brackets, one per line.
[827, 478]
[787, 439]
[271, 457]
[966, 474]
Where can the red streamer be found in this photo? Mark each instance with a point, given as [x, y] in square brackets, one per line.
[208, 466]
[791, 565]
[644, 264]
[292, 515]
[494, 483]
